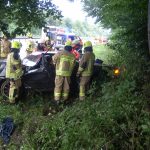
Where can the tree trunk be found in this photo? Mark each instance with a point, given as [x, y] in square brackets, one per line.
[149, 25]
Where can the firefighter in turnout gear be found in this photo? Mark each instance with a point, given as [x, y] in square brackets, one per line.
[75, 48]
[14, 71]
[48, 44]
[64, 62]
[30, 45]
[5, 47]
[85, 69]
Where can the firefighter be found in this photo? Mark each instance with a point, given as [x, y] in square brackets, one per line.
[14, 71]
[85, 69]
[48, 44]
[75, 48]
[30, 44]
[64, 62]
[41, 45]
[5, 47]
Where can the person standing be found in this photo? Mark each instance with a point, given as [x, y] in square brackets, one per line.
[48, 44]
[14, 71]
[5, 47]
[30, 45]
[75, 48]
[64, 62]
[85, 69]
[41, 45]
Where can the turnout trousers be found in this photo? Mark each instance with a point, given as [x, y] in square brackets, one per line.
[15, 85]
[84, 85]
[61, 87]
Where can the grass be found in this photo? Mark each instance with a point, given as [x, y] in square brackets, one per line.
[29, 118]
[108, 117]
[103, 52]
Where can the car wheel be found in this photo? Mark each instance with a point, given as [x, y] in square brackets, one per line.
[5, 89]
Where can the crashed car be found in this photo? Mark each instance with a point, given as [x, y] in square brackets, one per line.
[39, 74]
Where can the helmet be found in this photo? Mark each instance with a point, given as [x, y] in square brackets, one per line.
[75, 42]
[29, 43]
[41, 41]
[68, 43]
[87, 44]
[47, 38]
[16, 45]
[29, 35]
[68, 46]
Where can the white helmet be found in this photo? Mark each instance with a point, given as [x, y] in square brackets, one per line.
[47, 38]
[41, 41]
[76, 41]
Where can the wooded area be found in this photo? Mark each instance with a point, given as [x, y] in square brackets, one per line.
[116, 114]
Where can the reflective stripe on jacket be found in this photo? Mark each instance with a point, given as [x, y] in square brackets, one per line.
[86, 64]
[13, 67]
[65, 62]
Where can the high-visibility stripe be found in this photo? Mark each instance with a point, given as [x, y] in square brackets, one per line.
[65, 71]
[57, 94]
[82, 91]
[65, 94]
[81, 94]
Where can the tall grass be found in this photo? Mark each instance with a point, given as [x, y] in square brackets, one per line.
[103, 52]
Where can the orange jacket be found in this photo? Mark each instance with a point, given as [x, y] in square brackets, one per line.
[76, 53]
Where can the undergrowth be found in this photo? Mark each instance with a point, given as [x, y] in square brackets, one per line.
[112, 118]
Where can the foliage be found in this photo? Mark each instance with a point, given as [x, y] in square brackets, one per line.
[104, 53]
[129, 27]
[116, 114]
[116, 120]
[129, 32]
[128, 21]
[25, 14]
[83, 28]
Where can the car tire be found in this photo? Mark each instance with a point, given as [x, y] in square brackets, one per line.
[4, 89]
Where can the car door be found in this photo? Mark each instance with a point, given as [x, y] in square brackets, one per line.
[40, 77]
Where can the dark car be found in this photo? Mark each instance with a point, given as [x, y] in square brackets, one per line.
[39, 74]
[39, 71]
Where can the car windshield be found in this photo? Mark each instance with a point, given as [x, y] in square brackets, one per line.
[31, 60]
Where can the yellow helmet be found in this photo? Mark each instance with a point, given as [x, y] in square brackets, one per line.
[16, 45]
[29, 35]
[68, 43]
[87, 44]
